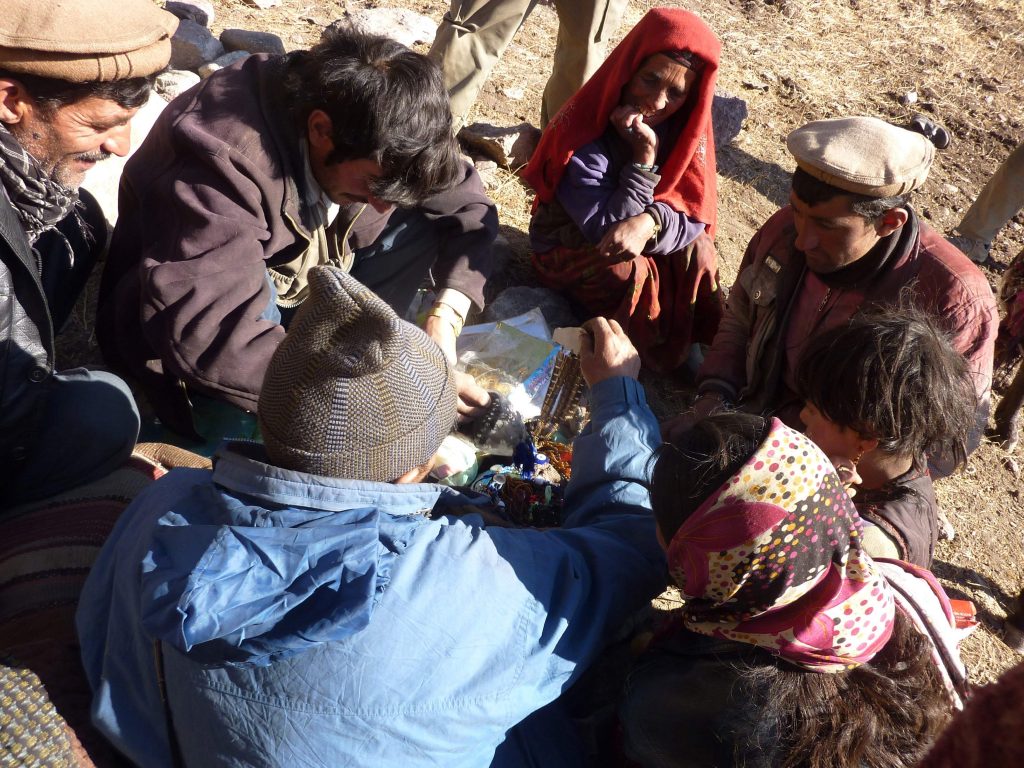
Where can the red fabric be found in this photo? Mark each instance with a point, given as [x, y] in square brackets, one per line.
[649, 296]
[688, 182]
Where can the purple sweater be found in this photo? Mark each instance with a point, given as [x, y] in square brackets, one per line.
[601, 187]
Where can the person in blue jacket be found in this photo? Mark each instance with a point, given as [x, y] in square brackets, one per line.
[310, 601]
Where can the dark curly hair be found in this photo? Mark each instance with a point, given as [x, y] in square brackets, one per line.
[687, 470]
[386, 103]
[885, 713]
[891, 374]
[813, 191]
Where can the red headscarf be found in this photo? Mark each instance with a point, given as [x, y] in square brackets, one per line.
[688, 181]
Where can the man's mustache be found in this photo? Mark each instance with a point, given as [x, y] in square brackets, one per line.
[94, 157]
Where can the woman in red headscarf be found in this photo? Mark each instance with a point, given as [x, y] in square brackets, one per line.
[626, 195]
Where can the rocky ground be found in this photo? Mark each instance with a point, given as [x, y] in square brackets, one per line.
[958, 61]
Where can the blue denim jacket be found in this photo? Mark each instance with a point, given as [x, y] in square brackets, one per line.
[307, 620]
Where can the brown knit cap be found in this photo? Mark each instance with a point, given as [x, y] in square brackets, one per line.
[353, 391]
[81, 41]
[863, 155]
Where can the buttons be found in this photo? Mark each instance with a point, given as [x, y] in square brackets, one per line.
[18, 453]
[757, 294]
[38, 374]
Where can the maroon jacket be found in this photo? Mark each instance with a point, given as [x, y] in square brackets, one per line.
[747, 361]
[213, 197]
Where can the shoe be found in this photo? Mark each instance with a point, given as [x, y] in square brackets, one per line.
[976, 250]
[931, 130]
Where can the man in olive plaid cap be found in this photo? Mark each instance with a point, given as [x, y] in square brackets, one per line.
[72, 75]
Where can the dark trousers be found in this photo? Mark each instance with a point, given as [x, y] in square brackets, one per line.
[89, 421]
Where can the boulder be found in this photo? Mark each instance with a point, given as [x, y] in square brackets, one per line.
[728, 114]
[173, 82]
[510, 147]
[193, 45]
[522, 298]
[405, 26]
[222, 61]
[251, 42]
[199, 11]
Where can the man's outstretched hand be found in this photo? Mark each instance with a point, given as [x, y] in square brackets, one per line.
[607, 352]
[473, 399]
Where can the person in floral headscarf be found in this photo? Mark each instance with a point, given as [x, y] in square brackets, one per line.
[793, 647]
[626, 194]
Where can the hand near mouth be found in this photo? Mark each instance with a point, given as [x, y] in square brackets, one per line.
[631, 126]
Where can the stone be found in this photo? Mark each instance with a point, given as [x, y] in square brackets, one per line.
[728, 113]
[522, 298]
[222, 61]
[104, 178]
[193, 45]
[509, 147]
[199, 11]
[908, 98]
[173, 82]
[405, 26]
[263, 4]
[251, 42]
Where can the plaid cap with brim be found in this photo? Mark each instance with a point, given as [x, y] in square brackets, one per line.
[85, 40]
[863, 155]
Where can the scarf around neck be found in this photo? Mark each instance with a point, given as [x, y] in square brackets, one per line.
[773, 558]
[40, 202]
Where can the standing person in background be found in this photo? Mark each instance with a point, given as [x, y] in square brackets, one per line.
[474, 33]
[72, 75]
[1000, 200]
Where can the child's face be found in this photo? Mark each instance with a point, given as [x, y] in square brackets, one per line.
[835, 441]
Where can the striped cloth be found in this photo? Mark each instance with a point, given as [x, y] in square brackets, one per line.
[45, 554]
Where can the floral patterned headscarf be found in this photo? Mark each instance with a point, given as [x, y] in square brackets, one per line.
[773, 558]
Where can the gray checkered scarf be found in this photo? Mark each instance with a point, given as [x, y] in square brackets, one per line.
[41, 203]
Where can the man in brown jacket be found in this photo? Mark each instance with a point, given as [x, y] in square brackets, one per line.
[848, 239]
[339, 155]
[72, 75]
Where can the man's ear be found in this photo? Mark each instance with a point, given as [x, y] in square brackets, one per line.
[890, 221]
[319, 128]
[15, 102]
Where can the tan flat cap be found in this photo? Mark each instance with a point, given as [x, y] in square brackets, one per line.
[863, 155]
[85, 40]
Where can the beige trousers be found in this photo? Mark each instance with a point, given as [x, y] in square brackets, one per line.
[473, 35]
[998, 202]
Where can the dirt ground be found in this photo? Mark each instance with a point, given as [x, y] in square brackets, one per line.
[795, 61]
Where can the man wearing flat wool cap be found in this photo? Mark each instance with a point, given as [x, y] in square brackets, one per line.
[72, 75]
[848, 239]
